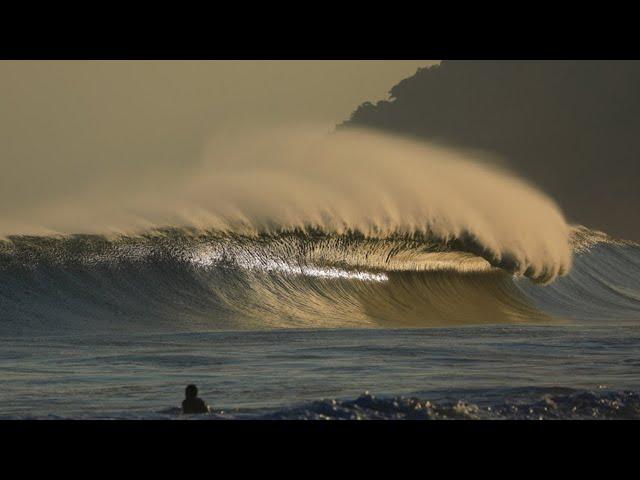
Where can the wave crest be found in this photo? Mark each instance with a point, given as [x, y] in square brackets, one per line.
[352, 183]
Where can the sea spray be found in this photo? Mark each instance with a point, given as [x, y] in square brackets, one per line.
[302, 179]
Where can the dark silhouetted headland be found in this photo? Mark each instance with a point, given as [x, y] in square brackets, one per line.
[570, 127]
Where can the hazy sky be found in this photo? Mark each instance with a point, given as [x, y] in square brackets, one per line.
[65, 124]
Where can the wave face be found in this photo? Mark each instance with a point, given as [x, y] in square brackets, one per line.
[189, 279]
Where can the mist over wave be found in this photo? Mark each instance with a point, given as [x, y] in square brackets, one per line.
[356, 182]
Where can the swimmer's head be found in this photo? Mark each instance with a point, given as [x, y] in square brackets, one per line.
[191, 391]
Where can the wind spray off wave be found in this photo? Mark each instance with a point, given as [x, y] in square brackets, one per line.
[291, 228]
[348, 182]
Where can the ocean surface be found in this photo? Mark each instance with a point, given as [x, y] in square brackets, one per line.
[310, 325]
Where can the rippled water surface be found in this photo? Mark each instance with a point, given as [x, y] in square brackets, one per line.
[554, 371]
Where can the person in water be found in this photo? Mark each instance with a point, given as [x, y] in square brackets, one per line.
[193, 404]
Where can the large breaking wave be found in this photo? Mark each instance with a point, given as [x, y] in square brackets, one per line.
[188, 279]
[291, 229]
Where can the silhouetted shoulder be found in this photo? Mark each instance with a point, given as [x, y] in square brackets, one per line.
[194, 405]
